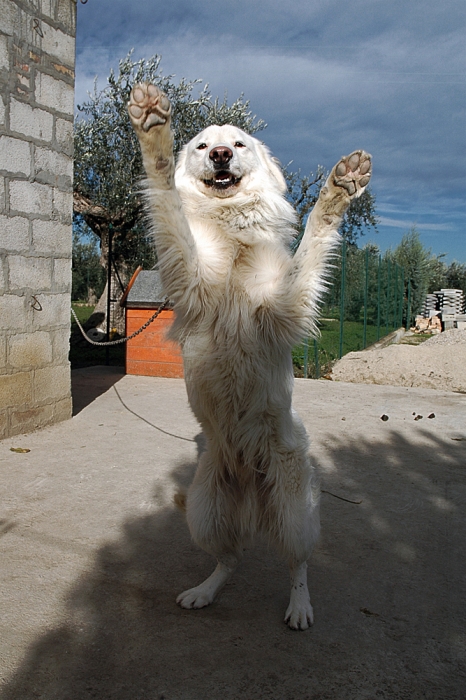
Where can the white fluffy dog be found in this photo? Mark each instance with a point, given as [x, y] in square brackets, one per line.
[223, 229]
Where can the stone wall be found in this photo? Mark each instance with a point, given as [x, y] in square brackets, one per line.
[37, 56]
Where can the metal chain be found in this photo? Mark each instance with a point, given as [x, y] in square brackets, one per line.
[162, 306]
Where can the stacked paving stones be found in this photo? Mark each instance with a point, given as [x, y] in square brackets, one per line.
[431, 305]
[451, 301]
[37, 44]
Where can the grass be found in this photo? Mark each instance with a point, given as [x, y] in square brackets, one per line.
[329, 343]
[82, 353]
[415, 339]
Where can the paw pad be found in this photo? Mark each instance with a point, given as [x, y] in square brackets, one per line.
[353, 172]
[148, 106]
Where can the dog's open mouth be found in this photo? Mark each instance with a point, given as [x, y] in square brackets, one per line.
[222, 180]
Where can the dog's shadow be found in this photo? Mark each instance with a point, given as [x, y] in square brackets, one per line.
[373, 580]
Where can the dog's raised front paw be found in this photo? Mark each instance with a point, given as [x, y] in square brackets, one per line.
[148, 107]
[353, 172]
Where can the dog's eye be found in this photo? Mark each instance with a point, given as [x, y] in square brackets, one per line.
[201, 146]
[239, 144]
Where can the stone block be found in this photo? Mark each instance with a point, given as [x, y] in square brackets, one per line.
[51, 237]
[29, 350]
[63, 205]
[4, 54]
[3, 275]
[63, 409]
[54, 94]
[64, 135]
[62, 274]
[48, 8]
[30, 197]
[55, 312]
[61, 345]
[3, 345]
[4, 424]
[29, 420]
[8, 13]
[15, 390]
[34, 123]
[2, 111]
[2, 193]
[51, 167]
[15, 156]
[66, 15]
[50, 383]
[30, 273]
[13, 312]
[57, 43]
[14, 234]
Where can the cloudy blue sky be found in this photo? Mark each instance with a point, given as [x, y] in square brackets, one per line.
[328, 76]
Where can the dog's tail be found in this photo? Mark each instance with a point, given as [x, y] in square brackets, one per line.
[180, 500]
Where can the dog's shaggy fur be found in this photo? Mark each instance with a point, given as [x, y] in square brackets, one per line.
[223, 229]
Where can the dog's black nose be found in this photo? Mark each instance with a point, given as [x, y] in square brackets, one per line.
[221, 155]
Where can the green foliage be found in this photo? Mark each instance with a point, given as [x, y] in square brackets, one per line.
[443, 276]
[328, 346]
[87, 272]
[416, 262]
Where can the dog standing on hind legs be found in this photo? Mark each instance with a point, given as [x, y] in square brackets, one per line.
[223, 228]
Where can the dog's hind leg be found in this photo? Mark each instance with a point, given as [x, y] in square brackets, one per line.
[299, 614]
[207, 591]
[211, 514]
[293, 525]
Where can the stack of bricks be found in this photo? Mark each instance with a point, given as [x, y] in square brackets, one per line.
[37, 56]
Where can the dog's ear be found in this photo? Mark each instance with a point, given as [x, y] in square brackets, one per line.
[272, 165]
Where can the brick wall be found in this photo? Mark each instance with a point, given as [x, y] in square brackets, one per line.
[37, 44]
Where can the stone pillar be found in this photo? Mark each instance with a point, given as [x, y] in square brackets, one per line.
[37, 58]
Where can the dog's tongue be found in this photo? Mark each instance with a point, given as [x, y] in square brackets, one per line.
[223, 175]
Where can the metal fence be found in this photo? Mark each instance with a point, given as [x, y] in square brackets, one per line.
[368, 298]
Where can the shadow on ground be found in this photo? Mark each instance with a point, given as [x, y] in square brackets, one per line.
[90, 382]
[387, 584]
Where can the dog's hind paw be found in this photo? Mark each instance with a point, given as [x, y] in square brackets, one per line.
[195, 598]
[353, 172]
[299, 616]
[148, 107]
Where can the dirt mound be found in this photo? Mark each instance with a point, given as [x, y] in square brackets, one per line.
[438, 363]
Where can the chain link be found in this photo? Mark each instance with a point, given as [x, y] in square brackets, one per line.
[162, 306]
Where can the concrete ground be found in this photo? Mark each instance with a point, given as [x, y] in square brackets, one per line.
[93, 554]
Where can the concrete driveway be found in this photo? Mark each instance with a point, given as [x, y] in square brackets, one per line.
[93, 554]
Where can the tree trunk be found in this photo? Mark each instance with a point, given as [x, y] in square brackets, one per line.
[99, 221]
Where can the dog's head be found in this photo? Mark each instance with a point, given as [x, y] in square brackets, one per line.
[223, 161]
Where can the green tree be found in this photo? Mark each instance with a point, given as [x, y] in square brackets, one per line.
[455, 276]
[417, 263]
[88, 274]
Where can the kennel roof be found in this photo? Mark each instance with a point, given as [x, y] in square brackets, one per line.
[147, 291]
